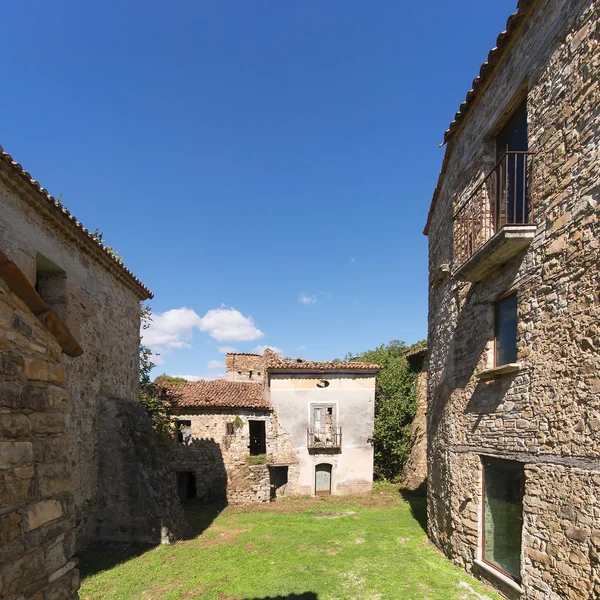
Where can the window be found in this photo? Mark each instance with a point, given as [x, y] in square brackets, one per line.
[186, 485]
[230, 428]
[502, 515]
[51, 285]
[258, 438]
[250, 374]
[505, 325]
[184, 432]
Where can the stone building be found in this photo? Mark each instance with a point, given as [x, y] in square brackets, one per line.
[275, 427]
[69, 369]
[514, 313]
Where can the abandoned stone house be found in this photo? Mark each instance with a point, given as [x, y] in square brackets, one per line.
[276, 427]
[69, 418]
[514, 313]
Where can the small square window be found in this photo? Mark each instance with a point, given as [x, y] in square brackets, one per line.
[184, 432]
[505, 325]
[502, 515]
[230, 428]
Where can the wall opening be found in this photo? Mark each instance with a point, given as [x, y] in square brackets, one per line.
[186, 485]
[323, 480]
[278, 478]
[184, 432]
[51, 285]
[258, 438]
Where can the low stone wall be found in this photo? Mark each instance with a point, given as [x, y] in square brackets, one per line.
[252, 486]
[36, 506]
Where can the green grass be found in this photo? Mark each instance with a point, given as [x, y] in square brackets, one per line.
[335, 548]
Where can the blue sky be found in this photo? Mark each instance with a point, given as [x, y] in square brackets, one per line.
[266, 165]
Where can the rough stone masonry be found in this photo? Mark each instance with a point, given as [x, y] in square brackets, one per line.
[545, 414]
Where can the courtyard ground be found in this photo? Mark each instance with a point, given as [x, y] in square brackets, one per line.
[371, 547]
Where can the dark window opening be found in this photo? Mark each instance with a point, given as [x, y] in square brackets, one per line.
[230, 428]
[278, 477]
[258, 438]
[505, 334]
[184, 432]
[250, 374]
[503, 515]
[186, 485]
[51, 285]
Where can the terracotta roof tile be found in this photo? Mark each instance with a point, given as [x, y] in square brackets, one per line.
[274, 363]
[84, 235]
[220, 393]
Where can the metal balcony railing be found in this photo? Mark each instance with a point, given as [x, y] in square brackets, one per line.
[324, 438]
[502, 199]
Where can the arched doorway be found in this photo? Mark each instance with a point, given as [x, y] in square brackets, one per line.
[323, 479]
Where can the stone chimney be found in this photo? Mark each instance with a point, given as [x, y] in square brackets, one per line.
[245, 367]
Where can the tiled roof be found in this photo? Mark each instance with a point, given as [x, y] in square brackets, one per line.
[415, 349]
[274, 363]
[486, 71]
[104, 255]
[219, 393]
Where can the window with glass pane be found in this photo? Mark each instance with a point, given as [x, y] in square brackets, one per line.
[506, 331]
[502, 515]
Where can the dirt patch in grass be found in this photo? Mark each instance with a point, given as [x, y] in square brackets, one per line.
[335, 515]
[220, 536]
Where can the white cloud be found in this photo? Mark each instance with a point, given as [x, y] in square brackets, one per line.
[301, 347]
[200, 377]
[227, 324]
[307, 298]
[173, 329]
[352, 260]
[215, 364]
[157, 360]
[226, 349]
[261, 349]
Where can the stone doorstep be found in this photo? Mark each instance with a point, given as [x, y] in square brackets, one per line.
[498, 372]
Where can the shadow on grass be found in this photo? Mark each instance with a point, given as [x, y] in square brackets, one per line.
[417, 500]
[304, 596]
[102, 556]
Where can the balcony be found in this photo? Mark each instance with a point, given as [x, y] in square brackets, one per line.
[496, 221]
[327, 438]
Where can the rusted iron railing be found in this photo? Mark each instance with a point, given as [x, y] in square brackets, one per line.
[324, 437]
[502, 199]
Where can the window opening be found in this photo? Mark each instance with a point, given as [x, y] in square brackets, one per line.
[230, 428]
[184, 432]
[258, 438]
[505, 334]
[278, 479]
[503, 483]
[51, 285]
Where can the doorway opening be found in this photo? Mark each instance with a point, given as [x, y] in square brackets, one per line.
[258, 438]
[186, 485]
[323, 480]
[278, 479]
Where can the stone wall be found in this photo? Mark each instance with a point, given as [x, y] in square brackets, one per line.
[222, 463]
[244, 367]
[547, 415]
[100, 306]
[414, 473]
[36, 507]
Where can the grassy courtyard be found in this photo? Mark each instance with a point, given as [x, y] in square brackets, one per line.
[333, 548]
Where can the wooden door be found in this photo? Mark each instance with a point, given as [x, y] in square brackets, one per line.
[323, 480]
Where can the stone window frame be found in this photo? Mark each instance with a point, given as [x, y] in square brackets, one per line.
[481, 561]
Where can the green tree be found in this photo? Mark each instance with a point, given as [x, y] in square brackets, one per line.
[158, 397]
[395, 408]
